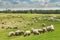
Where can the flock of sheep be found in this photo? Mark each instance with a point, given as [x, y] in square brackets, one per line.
[33, 20]
[34, 31]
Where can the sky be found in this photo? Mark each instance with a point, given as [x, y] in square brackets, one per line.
[29, 4]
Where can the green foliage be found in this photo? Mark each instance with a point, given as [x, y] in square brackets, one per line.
[32, 11]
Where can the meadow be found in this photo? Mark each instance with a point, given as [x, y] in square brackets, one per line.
[22, 25]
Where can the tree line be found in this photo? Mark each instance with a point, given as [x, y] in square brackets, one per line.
[32, 11]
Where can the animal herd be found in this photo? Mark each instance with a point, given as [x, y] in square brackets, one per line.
[32, 21]
[32, 31]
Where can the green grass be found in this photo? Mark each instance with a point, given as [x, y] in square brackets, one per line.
[44, 36]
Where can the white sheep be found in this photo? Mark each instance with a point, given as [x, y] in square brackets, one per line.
[40, 30]
[44, 29]
[27, 33]
[57, 20]
[51, 18]
[4, 26]
[50, 28]
[15, 27]
[35, 31]
[11, 34]
[19, 32]
[8, 27]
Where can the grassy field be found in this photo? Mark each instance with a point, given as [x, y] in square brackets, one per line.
[55, 35]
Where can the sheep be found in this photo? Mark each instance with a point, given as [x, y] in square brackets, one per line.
[8, 27]
[51, 18]
[40, 30]
[50, 28]
[35, 31]
[57, 20]
[45, 18]
[19, 32]
[44, 29]
[27, 33]
[43, 24]
[11, 34]
[39, 19]
[15, 27]
[3, 26]
[22, 17]
[3, 22]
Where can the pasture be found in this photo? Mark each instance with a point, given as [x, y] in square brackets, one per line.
[26, 22]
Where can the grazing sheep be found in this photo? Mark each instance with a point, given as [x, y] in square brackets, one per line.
[27, 33]
[3, 26]
[19, 32]
[3, 22]
[57, 20]
[51, 18]
[8, 27]
[45, 18]
[11, 34]
[15, 27]
[22, 17]
[39, 19]
[40, 30]
[43, 24]
[44, 29]
[35, 31]
[50, 28]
